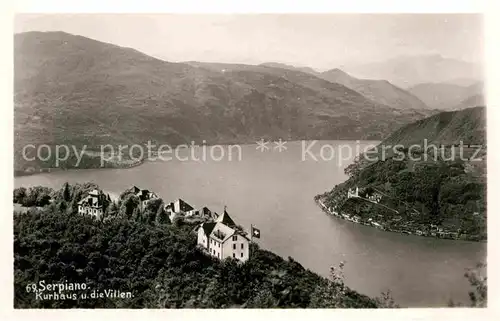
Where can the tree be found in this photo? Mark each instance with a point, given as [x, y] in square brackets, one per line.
[72, 207]
[329, 294]
[37, 196]
[19, 195]
[112, 209]
[179, 220]
[66, 192]
[43, 199]
[151, 210]
[62, 206]
[161, 215]
[137, 215]
[478, 280]
[128, 205]
[479, 295]
[386, 300]
[353, 169]
[264, 299]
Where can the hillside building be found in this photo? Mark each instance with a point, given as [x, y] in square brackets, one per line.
[353, 192]
[92, 204]
[178, 207]
[222, 239]
[144, 195]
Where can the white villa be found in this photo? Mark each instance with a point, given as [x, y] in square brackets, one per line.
[221, 239]
[353, 192]
[374, 197]
[92, 204]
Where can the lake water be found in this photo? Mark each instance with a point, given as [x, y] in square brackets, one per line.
[274, 191]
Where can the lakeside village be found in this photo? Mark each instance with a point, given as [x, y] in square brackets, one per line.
[395, 225]
[218, 236]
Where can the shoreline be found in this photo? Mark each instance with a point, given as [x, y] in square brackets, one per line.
[21, 173]
[352, 219]
[58, 169]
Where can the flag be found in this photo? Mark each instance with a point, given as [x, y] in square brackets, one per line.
[255, 232]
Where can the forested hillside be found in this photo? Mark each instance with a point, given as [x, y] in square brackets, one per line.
[440, 191]
[153, 259]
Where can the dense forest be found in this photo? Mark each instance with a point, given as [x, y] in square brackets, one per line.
[154, 260]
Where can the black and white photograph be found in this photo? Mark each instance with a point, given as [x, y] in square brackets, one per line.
[259, 161]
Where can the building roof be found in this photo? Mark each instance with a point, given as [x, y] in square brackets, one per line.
[145, 194]
[226, 219]
[183, 203]
[208, 227]
[221, 232]
[92, 201]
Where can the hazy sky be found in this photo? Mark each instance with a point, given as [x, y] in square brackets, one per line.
[321, 41]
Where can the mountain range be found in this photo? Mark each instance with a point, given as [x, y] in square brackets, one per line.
[409, 71]
[455, 93]
[447, 96]
[380, 91]
[70, 89]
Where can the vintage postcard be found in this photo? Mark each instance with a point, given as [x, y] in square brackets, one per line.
[216, 161]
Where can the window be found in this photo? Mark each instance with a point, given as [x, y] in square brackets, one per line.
[234, 255]
[242, 246]
[218, 244]
[234, 246]
[235, 237]
[241, 254]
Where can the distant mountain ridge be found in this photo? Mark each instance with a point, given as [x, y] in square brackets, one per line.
[74, 90]
[447, 96]
[408, 71]
[452, 127]
[285, 66]
[380, 91]
[476, 100]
